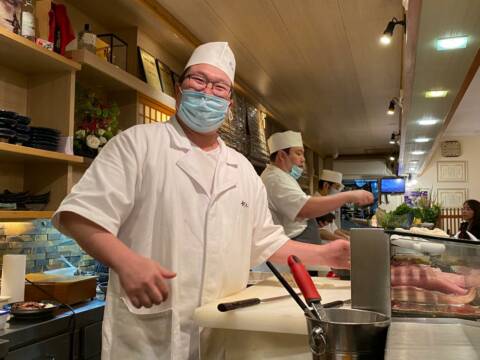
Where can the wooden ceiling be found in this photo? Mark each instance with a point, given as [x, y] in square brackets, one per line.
[315, 65]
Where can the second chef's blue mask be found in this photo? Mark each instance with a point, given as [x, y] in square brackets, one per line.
[202, 112]
[296, 172]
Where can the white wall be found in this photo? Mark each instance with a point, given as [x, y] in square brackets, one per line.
[471, 154]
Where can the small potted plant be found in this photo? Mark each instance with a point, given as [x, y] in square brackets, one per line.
[98, 123]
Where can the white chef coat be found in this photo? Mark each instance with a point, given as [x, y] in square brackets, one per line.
[285, 200]
[146, 188]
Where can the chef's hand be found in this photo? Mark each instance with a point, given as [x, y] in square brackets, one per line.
[337, 254]
[144, 281]
[361, 197]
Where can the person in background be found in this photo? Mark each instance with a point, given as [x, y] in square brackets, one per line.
[288, 203]
[179, 218]
[330, 183]
[471, 215]
[328, 229]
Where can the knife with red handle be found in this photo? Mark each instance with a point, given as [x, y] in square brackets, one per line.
[306, 285]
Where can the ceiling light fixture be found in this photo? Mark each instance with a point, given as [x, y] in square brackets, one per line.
[392, 158]
[436, 93]
[391, 108]
[418, 152]
[394, 138]
[452, 43]
[422, 140]
[386, 38]
[428, 122]
[391, 105]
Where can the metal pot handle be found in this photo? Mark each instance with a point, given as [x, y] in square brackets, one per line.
[317, 336]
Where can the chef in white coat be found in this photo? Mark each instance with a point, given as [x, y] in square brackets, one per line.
[290, 206]
[179, 218]
[330, 183]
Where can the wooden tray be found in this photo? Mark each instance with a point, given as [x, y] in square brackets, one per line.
[68, 290]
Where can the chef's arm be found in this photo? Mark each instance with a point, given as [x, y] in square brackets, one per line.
[327, 235]
[320, 205]
[342, 234]
[141, 278]
[335, 254]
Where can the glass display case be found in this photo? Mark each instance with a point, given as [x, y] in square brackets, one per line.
[415, 274]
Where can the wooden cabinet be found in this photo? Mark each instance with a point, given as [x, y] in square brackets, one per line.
[41, 84]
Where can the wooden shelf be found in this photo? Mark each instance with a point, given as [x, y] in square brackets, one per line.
[23, 55]
[25, 215]
[100, 73]
[18, 153]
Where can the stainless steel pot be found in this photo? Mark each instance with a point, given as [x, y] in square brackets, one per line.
[348, 334]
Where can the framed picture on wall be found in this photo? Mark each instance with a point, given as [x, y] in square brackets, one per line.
[452, 198]
[148, 66]
[451, 171]
[166, 77]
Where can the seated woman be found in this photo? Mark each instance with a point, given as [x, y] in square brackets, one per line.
[471, 215]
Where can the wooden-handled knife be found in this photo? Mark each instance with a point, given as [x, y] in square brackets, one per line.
[247, 302]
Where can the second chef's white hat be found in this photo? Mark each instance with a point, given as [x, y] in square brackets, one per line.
[217, 54]
[284, 140]
[331, 176]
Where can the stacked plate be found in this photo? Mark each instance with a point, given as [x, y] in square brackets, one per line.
[43, 138]
[14, 127]
[23, 201]
[22, 129]
[7, 125]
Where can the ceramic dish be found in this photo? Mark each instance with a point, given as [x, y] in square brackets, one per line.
[19, 312]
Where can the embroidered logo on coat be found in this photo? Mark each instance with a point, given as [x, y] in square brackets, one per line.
[244, 204]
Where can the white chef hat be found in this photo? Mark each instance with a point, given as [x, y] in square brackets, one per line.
[284, 140]
[331, 176]
[217, 54]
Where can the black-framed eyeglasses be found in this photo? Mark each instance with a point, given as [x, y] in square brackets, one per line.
[199, 83]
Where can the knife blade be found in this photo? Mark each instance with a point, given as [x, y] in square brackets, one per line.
[336, 303]
[223, 307]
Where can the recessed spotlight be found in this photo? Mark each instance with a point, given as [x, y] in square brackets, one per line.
[427, 122]
[422, 140]
[436, 93]
[392, 158]
[418, 152]
[457, 42]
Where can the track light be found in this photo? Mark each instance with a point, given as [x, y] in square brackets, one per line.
[386, 38]
[394, 139]
[391, 108]
[391, 105]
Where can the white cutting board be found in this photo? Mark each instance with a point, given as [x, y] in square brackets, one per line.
[279, 316]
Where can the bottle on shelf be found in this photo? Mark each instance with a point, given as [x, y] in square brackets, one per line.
[28, 19]
[87, 39]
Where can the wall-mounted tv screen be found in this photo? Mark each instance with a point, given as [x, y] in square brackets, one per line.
[392, 185]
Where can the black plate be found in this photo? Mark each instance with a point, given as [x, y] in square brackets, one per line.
[32, 314]
[7, 113]
[44, 130]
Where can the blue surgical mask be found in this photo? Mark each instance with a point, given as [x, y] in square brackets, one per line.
[202, 112]
[296, 172]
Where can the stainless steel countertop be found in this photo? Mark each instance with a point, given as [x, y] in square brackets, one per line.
[439, 339]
